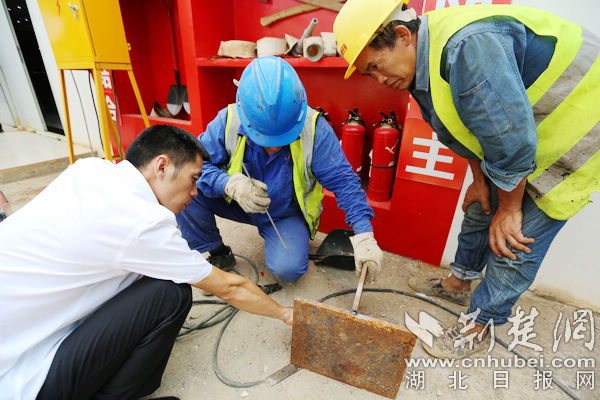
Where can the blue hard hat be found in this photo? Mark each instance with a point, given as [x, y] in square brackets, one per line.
[271, 102]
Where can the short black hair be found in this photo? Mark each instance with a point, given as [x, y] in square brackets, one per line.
[387, 36]
[181, 146]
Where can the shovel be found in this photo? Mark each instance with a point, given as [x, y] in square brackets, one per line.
[177, 93]
[186, 102]
[336, 250]
[352, 348]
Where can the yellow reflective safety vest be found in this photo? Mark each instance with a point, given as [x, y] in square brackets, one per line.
[565, 100]
[309, 192]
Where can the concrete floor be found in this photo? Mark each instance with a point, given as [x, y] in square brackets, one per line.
[254, 347]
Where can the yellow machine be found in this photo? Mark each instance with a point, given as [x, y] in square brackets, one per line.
[89, 35]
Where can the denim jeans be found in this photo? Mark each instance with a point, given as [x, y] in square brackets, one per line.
[199, 228]
[505, 280]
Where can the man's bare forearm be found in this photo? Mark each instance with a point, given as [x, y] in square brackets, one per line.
[512, 201]
[476, 170]
[242, 293]
[248, 297]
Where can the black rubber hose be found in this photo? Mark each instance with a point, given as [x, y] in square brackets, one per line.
[218, 372]
[232, 314]
[206, 323]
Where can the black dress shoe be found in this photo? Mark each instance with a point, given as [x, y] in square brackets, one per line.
[165, 398]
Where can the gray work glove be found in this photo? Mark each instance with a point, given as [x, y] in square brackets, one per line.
[366, 250]
[250, 194]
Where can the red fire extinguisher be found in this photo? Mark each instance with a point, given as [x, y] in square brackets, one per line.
[353, 139]
[386, 140]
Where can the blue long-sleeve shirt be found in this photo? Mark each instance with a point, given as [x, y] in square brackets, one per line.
[489, 64]
[329, 166]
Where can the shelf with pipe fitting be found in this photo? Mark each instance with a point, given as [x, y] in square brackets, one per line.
[296, 62]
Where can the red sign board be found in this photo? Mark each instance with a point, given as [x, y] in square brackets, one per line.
[424, 158]
[109, 93]
[429, 5]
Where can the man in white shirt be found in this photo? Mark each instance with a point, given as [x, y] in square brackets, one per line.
[94, 275]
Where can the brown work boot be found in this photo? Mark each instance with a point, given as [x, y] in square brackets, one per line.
[452, 344]
[433, 287]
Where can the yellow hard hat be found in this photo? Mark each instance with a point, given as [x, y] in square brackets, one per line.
[357, 22]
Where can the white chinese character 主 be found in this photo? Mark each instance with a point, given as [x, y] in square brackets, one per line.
[106, 79]
[439, 4]
[583, 321]
[523, 334]
[432, 157]
[415, 379]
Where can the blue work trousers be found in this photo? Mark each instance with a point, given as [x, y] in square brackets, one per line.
[505, 280]
[199, 228]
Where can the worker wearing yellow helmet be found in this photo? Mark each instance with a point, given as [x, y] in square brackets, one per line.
[515, 90]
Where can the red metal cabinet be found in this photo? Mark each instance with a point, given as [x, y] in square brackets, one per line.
[414, 222]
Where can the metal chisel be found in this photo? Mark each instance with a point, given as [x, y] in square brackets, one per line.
[268, 215]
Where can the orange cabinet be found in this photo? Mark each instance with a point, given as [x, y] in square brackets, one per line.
[83, 32]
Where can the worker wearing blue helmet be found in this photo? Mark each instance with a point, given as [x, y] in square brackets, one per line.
[290, 153]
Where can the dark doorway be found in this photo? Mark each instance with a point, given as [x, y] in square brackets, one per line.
[21, 21]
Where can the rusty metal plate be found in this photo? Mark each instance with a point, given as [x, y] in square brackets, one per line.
[358, 350]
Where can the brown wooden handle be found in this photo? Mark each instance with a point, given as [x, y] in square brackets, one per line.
[359, 288]
[332, 5]
[269, 19]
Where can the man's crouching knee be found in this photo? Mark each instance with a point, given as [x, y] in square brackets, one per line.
[173, 299]
[287, 272]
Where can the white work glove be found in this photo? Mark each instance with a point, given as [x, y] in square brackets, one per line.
[366, 251]
[250, 194]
